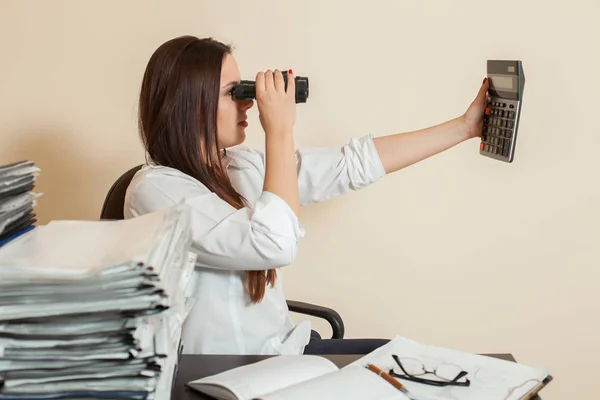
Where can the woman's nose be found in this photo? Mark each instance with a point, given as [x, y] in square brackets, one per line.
[245, 104]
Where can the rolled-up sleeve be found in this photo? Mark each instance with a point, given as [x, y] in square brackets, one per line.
[263, 236]
[327, 172]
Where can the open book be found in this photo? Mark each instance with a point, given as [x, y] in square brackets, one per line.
[297, 377]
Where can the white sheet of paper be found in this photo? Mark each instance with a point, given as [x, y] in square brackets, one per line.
[491, 378]
[76, 249]
[254, 380]
[346, 384]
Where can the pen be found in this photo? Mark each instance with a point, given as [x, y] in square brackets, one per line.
[533, 391]
[387, 377]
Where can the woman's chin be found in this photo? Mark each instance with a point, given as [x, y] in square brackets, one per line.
[240, 137]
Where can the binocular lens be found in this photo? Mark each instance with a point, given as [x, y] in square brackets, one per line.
[246, 90]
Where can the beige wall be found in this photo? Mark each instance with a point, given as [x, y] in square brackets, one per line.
[457, 251]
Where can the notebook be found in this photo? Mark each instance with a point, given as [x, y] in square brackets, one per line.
[296, 377]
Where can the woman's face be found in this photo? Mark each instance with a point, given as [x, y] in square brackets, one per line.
[231, 113]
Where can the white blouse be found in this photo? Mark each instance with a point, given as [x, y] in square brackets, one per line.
[262, 235]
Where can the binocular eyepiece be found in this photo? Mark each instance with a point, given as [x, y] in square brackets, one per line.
[246, 90]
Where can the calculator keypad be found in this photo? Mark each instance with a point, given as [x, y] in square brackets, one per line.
[498, 128]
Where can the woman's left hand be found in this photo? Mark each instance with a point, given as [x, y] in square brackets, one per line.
[473, 118]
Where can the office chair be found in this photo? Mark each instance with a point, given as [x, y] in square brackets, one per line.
[112, 209]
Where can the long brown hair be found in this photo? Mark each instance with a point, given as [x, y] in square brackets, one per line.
[178, 122]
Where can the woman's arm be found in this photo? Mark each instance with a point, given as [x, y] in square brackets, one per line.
[277, 112]
[260, 237]
[328, 172]
[403, 149]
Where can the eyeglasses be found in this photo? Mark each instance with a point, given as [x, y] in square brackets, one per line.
[443, 375]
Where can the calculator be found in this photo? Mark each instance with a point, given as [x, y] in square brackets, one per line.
[501, 120]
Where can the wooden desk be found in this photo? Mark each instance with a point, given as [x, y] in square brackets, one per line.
[193, 367]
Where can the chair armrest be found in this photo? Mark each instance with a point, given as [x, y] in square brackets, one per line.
[331, 316]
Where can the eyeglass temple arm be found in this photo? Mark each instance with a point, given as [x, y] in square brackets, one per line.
[460, 375]
[395, 357]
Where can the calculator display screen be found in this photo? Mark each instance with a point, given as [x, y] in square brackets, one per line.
[503, 83]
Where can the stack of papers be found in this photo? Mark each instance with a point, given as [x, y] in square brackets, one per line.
[93, 309]
[17, 199]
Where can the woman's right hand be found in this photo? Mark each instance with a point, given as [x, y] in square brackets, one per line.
[276, 106]
[277, 112]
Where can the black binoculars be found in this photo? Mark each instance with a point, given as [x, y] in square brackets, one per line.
[246, 90]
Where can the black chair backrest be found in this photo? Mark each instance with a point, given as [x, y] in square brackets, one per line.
[115, 199]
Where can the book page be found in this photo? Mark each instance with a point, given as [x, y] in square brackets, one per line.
[254, 380]
[347, 384]
[490, 378]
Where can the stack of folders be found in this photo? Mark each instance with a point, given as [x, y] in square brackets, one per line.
[94, 309]
[17, 199]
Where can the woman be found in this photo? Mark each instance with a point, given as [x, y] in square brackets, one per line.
[245, 203]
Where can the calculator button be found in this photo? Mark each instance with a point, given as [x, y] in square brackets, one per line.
[511, 106]
[510, 124]
[503, 105]
[511, 114]
[487, 111]
[502, 114]
[482, 146]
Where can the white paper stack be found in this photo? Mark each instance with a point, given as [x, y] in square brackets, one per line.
[17, 199]
[93, 309]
